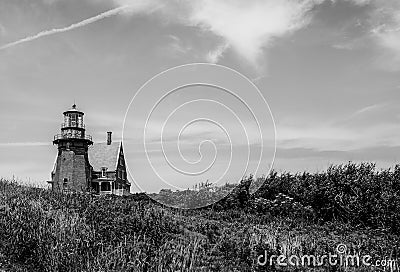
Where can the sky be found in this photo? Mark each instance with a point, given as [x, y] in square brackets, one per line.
[329, 71]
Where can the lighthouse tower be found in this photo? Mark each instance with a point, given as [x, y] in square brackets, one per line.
[72, 171]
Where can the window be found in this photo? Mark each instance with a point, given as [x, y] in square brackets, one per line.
[105, 186]
[65, 184]
[103, 172]
[80, 121]
[73, 120]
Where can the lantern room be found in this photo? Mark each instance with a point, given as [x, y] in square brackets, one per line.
[73, 126]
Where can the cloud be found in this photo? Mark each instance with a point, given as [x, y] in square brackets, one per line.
[2, 30]
[385, 21]
[246, 27]
[214, 56]
[50, 2]
[131, 7]
[390, 40]
[370, 108]
[250, 26]
[319, 136]
[257, 79]
[355, 43]
[68, 28]
[24, 144]
[343, 46]
[359, 2]
[381, 20]
[176, 46]
[381, 153]
[373, 125]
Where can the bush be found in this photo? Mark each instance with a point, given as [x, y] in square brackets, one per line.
[299, 213]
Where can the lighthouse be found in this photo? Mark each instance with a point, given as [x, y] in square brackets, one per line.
[72, 171]
[82, 166]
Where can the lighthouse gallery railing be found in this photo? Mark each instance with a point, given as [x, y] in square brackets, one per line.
[71, 136]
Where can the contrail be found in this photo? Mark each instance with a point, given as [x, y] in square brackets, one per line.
[44, 33]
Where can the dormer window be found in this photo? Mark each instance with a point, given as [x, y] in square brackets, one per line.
[103, 172]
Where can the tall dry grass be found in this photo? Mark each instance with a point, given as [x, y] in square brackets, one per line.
[45, 231]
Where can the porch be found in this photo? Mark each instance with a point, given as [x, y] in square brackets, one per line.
[104, 186]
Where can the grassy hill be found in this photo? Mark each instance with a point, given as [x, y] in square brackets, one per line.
[291, 214]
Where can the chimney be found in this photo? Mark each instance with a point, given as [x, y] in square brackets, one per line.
[109, 138]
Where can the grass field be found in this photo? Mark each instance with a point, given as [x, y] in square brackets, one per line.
[291, 214]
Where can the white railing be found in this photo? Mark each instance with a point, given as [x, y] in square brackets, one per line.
[73, 125]
[71, 136]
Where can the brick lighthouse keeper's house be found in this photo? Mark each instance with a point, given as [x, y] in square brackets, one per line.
[84, 166]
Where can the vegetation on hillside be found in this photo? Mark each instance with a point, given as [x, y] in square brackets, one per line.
[303, 213]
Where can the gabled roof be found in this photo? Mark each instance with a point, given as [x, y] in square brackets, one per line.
[103, 155]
